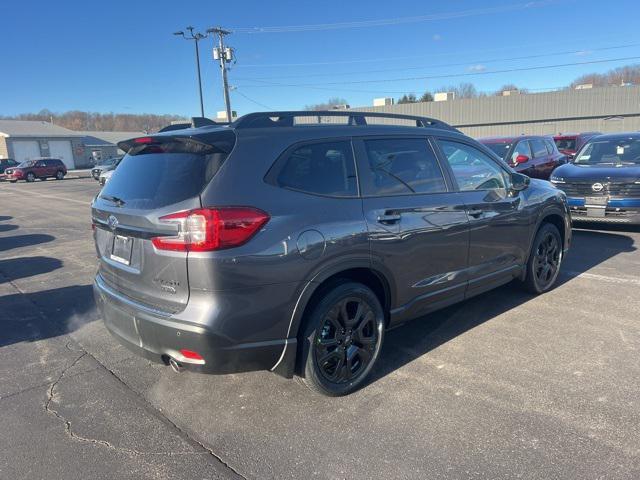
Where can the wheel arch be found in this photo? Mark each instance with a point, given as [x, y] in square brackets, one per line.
[374, 277]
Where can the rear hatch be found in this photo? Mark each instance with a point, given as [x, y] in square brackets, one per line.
[161, 175]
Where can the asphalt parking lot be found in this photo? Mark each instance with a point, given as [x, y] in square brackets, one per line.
[506, 385]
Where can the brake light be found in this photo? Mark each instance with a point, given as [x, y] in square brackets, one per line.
[207, 229]
[143, 140]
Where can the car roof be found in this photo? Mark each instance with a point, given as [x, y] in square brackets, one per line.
[617, 136]
[509, 139]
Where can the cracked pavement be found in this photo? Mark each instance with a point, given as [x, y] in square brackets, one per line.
[502, 386]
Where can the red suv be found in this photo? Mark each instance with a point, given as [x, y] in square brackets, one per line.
[570, 143]
[533, 155]
[41, 168]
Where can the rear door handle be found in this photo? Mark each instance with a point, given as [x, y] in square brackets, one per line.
[389, 219]
[475, 212]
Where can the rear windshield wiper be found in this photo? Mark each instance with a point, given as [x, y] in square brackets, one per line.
[110, 198]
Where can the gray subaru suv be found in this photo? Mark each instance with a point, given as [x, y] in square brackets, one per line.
[290, 241]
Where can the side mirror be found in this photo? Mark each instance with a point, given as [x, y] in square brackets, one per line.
[522, 159]
[519, 182]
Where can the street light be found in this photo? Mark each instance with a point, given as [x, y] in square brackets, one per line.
[196, 37]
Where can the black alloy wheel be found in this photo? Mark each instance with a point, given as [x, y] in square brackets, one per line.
[545, 259]
[344, 338]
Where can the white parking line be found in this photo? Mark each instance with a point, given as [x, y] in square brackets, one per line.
[603, 278]
[56, 197]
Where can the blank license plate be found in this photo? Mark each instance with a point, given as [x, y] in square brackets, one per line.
[596, 201]
[122, 247]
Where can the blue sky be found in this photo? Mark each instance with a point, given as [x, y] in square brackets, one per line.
[121, 56]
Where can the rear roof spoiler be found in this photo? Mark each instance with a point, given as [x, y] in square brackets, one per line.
[196, 122]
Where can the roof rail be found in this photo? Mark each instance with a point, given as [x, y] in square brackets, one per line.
[286, 119]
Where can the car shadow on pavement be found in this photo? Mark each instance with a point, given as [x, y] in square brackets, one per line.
[28, 240]
[28, 317]
[25, 267]
[412, 340]
[4, 218]
[7, 227]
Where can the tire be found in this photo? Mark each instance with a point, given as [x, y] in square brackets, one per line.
[545, 260]
[31, 177]
[13, 181]
[59, 175]
[343, 336]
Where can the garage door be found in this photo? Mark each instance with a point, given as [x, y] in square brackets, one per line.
[25, 150]
[62, 149]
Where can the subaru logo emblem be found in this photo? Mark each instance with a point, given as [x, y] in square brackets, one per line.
[112, 222]
[597, 187]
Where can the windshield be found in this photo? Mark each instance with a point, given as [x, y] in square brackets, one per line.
[500, 149]
[618, 152]
[566, 143]
[28, 163]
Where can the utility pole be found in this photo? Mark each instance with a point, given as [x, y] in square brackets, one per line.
[224, 55]
[196, 38]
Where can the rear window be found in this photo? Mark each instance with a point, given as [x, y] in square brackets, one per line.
[325, 168]
[566, 143]
[152, 178]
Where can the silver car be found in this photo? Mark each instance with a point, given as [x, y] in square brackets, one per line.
[278, 244]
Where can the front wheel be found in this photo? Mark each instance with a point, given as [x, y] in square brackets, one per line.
[544, 260]
[31, 177]
[343, 338]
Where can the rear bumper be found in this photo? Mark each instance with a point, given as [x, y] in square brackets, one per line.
[158, 335]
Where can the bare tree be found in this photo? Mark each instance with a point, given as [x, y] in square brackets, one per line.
[78, 120]
[328, 105]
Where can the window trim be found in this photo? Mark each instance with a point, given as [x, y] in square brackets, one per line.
[362, 162]
[271, 177]
[499, 163]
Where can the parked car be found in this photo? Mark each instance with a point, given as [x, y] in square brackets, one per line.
[290, 247]
[105, 165]
[533, 155]
[4, 164]
[570, 143]
[41, 168]
[603, 181]
[105, 176]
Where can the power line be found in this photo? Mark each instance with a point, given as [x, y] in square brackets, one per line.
[235, 90]
[395, 21]
[526, 57]
[449, 75]
[572, 40]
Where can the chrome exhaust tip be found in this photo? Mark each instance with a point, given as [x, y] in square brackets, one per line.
[175, 365]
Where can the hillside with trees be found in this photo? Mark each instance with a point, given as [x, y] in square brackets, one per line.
[123, 122]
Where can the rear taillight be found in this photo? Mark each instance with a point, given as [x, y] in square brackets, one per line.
[207, 229]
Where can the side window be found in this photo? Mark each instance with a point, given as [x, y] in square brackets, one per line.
[522, 148]
[538, 147]
[473, 169]
[320, 168]
[550, 146]
[401, 166]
